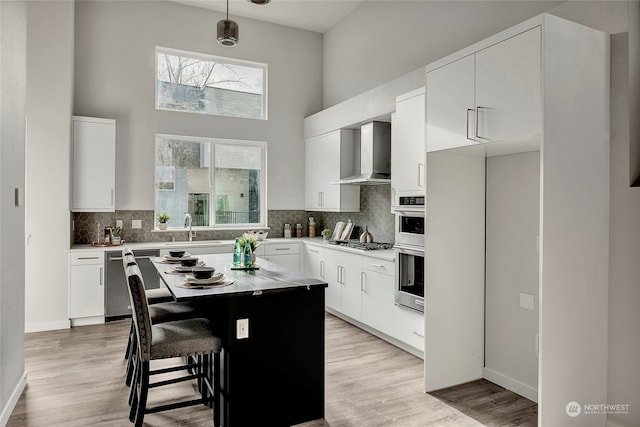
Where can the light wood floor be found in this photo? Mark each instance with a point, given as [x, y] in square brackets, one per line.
[76, 378]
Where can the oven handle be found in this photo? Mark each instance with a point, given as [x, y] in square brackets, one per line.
[419, 302]
[412, 212]
[409, 251]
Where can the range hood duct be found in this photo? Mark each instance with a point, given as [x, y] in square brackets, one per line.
[375, 156]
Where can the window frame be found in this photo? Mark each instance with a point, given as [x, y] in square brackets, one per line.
[216, 58]
[212, 169]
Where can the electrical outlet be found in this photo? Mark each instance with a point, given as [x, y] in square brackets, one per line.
[118, 223]
[136, 223]
[242, 329]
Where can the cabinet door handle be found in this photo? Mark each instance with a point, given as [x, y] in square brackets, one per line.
[419, 302]
[88, 257]
[418, 334]
[376, 265]
[469, 110]
[322, 269]
[315, 251]
[478, 120]
[420, 174]
[282, 249]
[338, 274]
[112, 197]
[363, 282]
[101, 269]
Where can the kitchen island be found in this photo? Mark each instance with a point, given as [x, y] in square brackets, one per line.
[275, 375]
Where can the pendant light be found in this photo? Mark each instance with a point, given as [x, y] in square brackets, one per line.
[228, 31]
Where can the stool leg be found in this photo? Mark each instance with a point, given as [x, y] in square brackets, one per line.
[143, 390]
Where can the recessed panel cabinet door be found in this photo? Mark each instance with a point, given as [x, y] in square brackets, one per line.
[508, 88]
[378, 300]
[450, 105]
[94, 164]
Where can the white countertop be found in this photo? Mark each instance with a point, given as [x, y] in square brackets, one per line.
[387, 254]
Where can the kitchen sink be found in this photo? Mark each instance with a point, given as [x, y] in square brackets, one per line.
[196, 243]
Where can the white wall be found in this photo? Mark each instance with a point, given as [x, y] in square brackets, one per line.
[383, 40]
[512, 224]
[13, 43]
[624, 292]
[49, 105]
[114, 78]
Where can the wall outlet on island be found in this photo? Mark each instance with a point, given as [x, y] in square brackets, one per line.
[242, 329]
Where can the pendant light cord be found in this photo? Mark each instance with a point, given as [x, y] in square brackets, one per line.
[227, 10]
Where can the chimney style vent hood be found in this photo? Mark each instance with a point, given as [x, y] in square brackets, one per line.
[375, 156]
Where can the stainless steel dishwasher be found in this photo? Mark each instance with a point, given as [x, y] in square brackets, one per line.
[116, 295]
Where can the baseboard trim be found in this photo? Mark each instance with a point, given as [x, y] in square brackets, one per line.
[83, 321]
[46, 326]
[509, 383]
[13, 400]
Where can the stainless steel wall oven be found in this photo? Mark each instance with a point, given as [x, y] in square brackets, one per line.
[409, 290]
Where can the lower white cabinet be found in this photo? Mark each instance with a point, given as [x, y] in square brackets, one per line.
[86, 284]
[284, 254]
[377, 292]
[312, 261]
[343, 276]
[409, 326]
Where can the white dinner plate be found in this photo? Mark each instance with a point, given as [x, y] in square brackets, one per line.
[210, 281]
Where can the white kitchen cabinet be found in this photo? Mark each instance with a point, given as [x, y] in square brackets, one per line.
[94, 164]
[408, 143]
[377, 292]
[285, 254]
[450, 105]
[490, 95]
[328, 158]
[86, 284]
[312, 260]
[343, 276]
[409, 326]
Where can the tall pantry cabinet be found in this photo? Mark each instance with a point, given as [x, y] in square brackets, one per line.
[540, 86]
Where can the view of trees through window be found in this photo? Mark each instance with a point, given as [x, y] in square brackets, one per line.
[208, 84]
[186, 182]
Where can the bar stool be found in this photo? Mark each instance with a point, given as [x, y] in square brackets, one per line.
[160, 311]
[189, 338]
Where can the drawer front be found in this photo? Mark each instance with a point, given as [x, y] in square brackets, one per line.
[87, 258]
[281, 248]
[313, 250]
[343, 257]
[380, 265]
[409, 327]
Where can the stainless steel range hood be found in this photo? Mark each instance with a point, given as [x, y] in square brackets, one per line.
[375, 156]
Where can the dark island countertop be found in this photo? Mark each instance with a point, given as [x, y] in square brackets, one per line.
[269, 278]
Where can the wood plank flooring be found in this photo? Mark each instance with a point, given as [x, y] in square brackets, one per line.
[76, 378]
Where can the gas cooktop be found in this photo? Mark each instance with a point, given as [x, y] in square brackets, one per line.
[357, 244]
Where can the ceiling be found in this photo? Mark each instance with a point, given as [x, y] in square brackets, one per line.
[312, 15]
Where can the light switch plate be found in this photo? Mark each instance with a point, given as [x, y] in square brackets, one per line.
[526, 301]
[242, 329]
[136, 223]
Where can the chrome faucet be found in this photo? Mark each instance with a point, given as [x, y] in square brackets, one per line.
[188, 224]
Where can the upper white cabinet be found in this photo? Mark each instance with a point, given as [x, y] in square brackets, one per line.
[94, 164]
[328, 158]
[450, 105]
[407, 143]
[490, 95]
